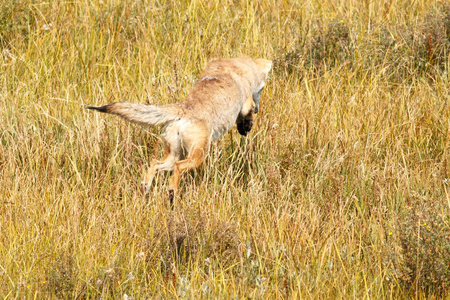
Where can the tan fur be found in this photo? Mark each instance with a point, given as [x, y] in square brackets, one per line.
[248, 106]
[226, 92]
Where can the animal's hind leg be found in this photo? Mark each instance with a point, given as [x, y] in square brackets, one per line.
[166, 164]
[194, 143]
[194, 160]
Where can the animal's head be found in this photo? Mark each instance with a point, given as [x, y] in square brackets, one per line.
[264, 66]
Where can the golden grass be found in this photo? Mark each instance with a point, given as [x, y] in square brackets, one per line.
[307, 206]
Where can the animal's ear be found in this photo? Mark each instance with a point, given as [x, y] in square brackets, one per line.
[264, 65]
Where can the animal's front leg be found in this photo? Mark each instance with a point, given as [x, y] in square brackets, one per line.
[245, 123]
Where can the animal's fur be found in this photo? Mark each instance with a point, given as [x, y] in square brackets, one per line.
[227, 92]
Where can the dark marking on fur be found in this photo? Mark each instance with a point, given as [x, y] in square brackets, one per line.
[171, 195]
[103, 109]
[244, 124]
[208, 78]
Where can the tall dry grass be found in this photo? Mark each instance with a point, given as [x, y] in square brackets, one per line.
[340, 190]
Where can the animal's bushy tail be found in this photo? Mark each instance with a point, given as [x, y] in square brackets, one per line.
[151, 115]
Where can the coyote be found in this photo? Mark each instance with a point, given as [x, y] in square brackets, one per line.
[227, 92]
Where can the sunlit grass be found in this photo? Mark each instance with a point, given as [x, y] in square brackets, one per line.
[310, 205]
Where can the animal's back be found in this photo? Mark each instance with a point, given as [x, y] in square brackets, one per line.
[216, 100]
[218, 96]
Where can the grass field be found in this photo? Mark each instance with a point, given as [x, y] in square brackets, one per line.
[341, 190]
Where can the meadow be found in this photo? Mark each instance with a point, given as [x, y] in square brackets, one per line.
[341, 190]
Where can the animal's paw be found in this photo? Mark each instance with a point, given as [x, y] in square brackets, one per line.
[145, 187]
[171, 196]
